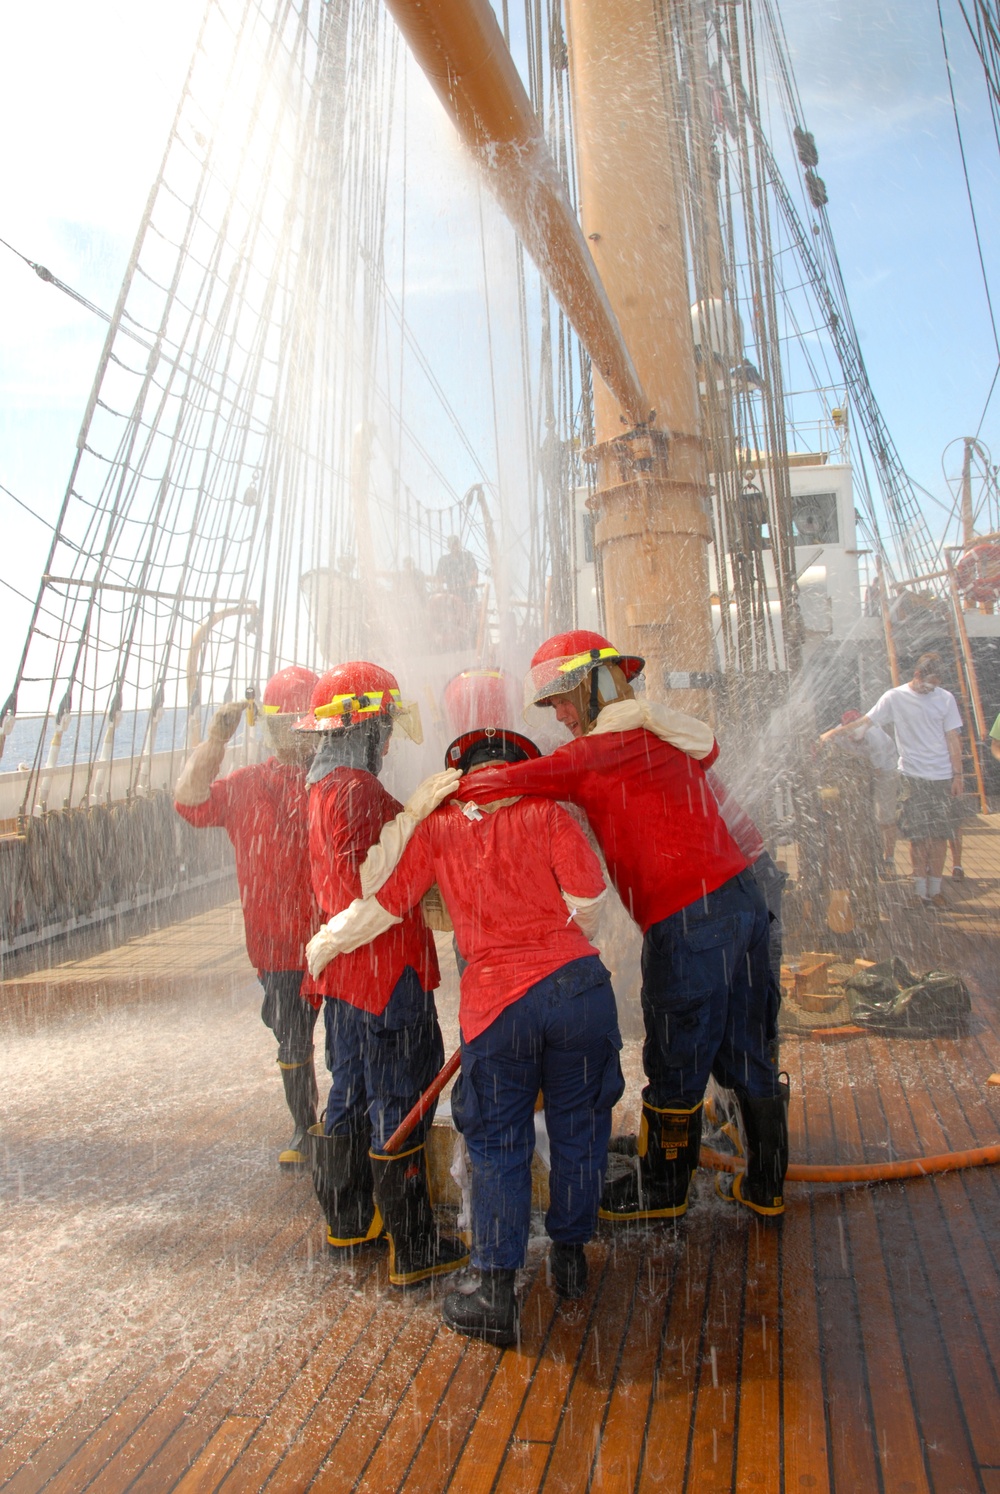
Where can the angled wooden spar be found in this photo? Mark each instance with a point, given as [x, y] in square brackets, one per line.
[461, 49]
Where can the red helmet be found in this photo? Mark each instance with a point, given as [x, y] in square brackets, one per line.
[477, 697]
[289, 692]
[485, 744]
[355, 692]
[564, 661]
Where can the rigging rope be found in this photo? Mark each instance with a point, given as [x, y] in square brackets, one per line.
[965, 174]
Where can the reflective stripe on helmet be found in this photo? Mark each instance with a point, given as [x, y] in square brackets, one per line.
[357, 705]
[591, 656]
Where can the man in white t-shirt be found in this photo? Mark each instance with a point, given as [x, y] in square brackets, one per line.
[927, 724]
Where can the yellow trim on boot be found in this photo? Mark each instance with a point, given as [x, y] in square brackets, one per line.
[394, 1156]
[412, 1278]
[730, 1192]
[292, 1158]
[375, 1230]
[674, 1213]
[301, 1065]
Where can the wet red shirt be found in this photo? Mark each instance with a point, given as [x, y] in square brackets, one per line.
[739, 824]
[263, 810]
[650, 807]
[347, 810]
[501, 878]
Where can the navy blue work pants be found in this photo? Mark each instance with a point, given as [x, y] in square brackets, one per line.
[706, 998]
[771, 881]
[560, 1037]
[290, 1016]
[381, 1064]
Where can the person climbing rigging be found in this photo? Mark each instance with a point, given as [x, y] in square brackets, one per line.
[383, 1042]
[637, 770]
[262, 808]
[536, 1012]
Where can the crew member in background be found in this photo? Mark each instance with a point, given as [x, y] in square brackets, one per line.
[995, 739]
[537, 1011]
[928, 725]
[874, 746]
[262, 809]
[383, 1042]
[453, 605]
[457, 571]
[637, 769]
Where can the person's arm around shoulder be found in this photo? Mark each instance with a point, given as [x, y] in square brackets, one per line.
[197, 775]
[383, 857]
[367, 917]
[551, 777]
[577, 871]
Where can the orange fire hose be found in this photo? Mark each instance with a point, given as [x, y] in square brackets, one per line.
[798, 1172]
[867, 1172]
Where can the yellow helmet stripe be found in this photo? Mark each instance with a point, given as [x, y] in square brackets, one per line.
[356, 705]
[590, 656]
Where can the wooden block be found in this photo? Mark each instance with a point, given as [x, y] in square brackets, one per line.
[806, 974]
[819, 1001]
[993, 1079]
[444, 1190]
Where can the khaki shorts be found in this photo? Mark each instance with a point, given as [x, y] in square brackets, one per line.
[886, 797]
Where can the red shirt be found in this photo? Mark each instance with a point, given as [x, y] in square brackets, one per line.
[347, 810]
[501, 878]
[656, 820]
[262, 809]
[739, 824]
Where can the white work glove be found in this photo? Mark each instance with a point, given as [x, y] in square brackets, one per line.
[359, 923]
[432, 792]
[226, 720]
[587, 912]
[321, 949]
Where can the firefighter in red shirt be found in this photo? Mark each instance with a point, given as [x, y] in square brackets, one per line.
[637, 769]
[383, 1042]
[537, 1012]
[262, 808]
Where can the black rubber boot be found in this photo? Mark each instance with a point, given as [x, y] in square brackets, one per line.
[301, 1097]
[342, 1177]
[765, 1128]
[655, 1184]
[416, 1250]
[490, 1312]
[568, 1265]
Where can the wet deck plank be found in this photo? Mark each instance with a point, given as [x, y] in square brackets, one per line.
[175, 1323]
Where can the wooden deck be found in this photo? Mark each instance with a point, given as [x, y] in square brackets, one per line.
[170, 1319]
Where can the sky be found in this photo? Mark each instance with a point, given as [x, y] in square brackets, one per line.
[87, 94]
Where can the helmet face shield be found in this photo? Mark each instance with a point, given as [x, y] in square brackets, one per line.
[560, 675]
[352, 694]
[282, 735]
[407, 718]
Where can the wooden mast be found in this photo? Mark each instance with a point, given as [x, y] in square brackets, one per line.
[461, 49]
[631, 312]
[653, 521]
